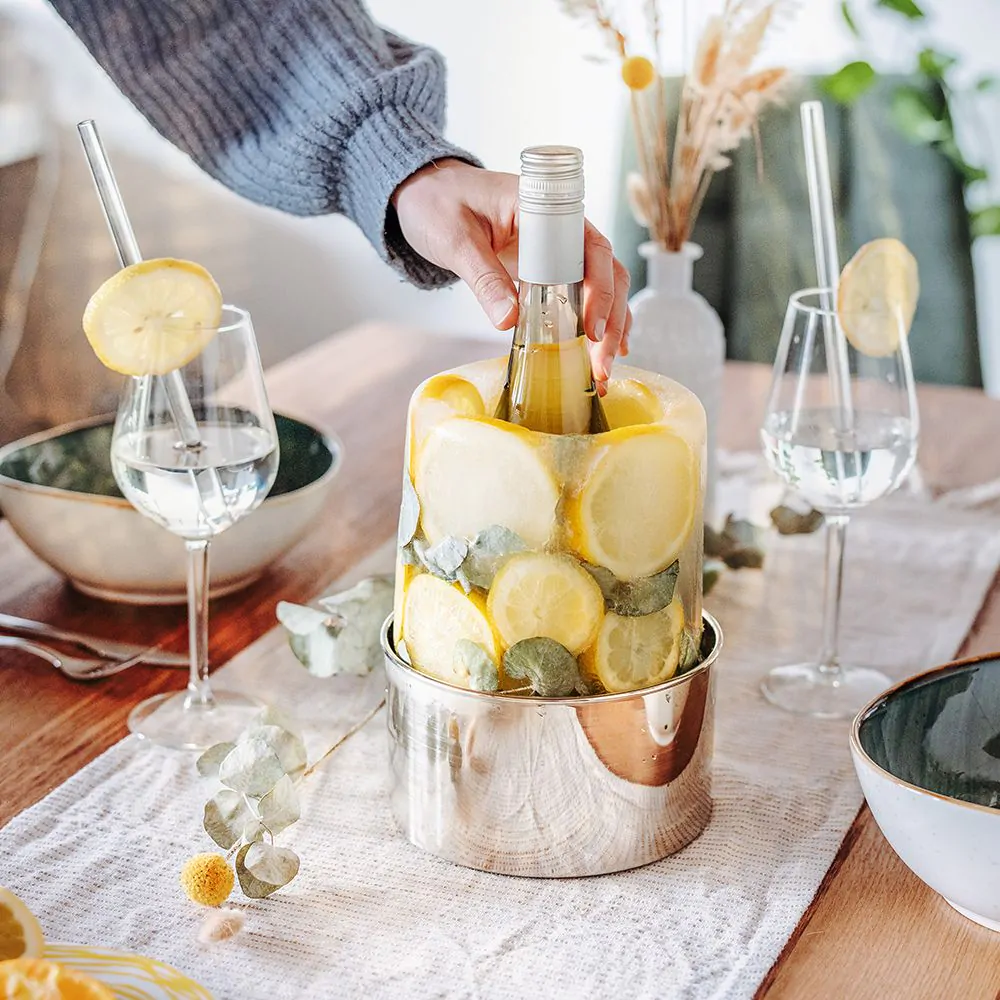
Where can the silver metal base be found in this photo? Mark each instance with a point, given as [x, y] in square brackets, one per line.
[551, 788]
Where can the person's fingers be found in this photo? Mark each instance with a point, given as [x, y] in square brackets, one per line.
[604, 353]
[476, 263]
[623, 350]
[599, 282]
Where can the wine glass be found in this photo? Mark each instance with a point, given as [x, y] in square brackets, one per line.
[196, 450]
[841, 429]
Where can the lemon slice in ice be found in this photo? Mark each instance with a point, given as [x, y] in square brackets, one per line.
[629, 402]
[535, 594]
[473, 473]
[441, 397]
[20, 932]
[877, 296]
[435, 616]
[153, 317]
[637, 506]
[632, 653]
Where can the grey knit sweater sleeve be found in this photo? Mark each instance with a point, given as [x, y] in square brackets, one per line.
[307, 106]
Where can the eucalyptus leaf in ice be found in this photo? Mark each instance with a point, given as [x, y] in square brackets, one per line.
[228, 818]
[208, 763]
[793, 522]
[444, 558]
[409, 511]
[251, 767]
[273, 867]
[548, 666]
[689, 653]
[488, 551]
[471, 658]
[635, 598]
[280, 807]
[408, 555]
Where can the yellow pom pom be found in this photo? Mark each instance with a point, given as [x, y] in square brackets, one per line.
[638, 72]
[207, 879]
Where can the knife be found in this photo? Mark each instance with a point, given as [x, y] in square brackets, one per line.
[100, 647]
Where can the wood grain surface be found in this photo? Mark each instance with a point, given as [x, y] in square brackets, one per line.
[873, 931]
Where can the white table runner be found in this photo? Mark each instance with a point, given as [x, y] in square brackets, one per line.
[371, 916]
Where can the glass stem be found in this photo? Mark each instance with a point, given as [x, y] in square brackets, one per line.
[199, 691]
[836, 535]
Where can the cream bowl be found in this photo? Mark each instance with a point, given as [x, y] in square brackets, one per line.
[59, 495]
[927, 753]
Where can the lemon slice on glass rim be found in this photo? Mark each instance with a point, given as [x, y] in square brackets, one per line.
[153, 317]
[877, 296]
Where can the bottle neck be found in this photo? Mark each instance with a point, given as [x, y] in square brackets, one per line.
[669, 271]
[550, 246]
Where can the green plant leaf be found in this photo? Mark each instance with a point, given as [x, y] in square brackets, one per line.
[471, 658]
[986, 83]
[289, 747]
[935, 64]
[850, 82]
[228, 818]
[208, 763]
[738, 545]
[487, 553]
[793, 522]
[986, 221]
[312, 634]
[280, 807]
[636, 597]
[847, 14]
[264, 868]
[548, 666]
[710, 574]
[251, 767]
[905, 7]
[967, 171]
[409, 512]
[916, 118]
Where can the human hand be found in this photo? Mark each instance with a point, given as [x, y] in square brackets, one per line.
[464, 219]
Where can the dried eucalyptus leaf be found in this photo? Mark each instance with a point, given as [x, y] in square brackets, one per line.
[288, 746]
[444, 558]
[227, 818]
[312, 634]
[738, 545]
[273, 868]
[488, 551]
[710, 574]
[208, 763]
[745, 558]
[272, 865]
[635, 598]
[742, 534]
[299, 619]
[272, 716]
[548, 666]
[409, 511]
[280, 807]
[251, 767]
[794, 522]
[471, 658]
[716, 543]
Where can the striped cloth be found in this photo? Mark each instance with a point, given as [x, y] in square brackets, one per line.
[306, 106]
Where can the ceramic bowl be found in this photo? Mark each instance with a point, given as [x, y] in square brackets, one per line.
[927, 753]
[58, 493]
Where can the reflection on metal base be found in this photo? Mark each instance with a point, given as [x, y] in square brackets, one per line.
[546, 787]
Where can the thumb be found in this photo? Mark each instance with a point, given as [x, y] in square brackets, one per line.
[477, 264]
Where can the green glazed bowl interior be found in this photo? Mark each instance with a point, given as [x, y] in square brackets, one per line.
[80, 459]
[941, 732]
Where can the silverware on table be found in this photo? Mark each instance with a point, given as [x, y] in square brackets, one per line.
[103, 648]
[75, 667]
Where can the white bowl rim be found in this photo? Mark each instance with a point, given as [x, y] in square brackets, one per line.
[862, 754]
[333, 442]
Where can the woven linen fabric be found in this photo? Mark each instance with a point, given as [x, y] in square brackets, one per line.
[371, 916]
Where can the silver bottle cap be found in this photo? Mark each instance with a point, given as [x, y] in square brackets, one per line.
[551, 180]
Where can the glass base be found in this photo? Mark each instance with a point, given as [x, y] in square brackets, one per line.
[804, 689]
[180, 722]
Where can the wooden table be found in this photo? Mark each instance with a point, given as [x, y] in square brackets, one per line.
[873, 931]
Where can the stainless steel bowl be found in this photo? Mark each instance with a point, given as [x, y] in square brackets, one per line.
[60, 496]
[548, 787]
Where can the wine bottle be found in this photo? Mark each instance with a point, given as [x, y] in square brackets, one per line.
[549, 385]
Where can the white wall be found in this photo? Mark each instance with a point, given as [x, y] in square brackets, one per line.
[520, 72]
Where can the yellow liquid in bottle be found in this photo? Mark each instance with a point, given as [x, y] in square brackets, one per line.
[552, 390]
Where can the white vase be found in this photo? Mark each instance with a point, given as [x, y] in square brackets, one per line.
[676, 333]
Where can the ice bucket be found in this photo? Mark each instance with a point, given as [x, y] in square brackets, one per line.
[551, 787]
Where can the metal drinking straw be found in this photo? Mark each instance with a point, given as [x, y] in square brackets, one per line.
[128, 253]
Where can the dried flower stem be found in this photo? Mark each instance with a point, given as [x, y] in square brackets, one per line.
[343, 739]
